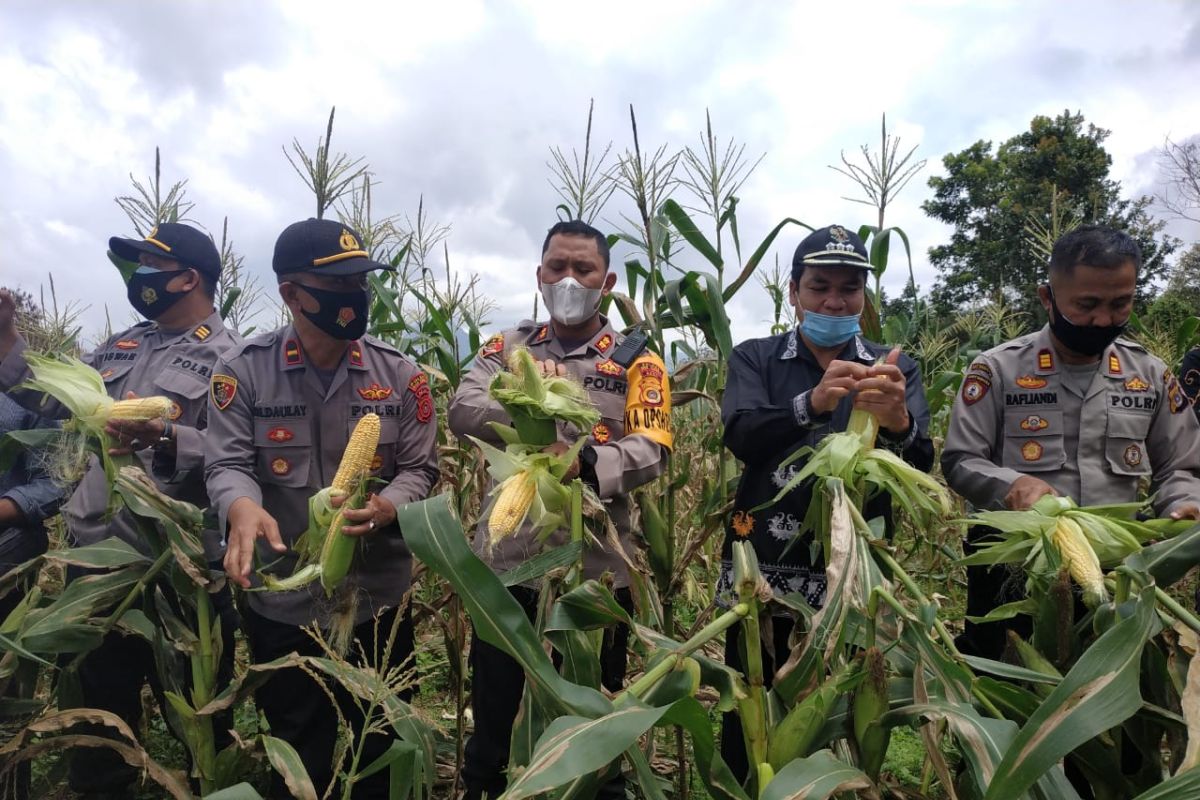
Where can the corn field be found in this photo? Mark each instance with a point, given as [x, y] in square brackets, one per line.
[875, 700]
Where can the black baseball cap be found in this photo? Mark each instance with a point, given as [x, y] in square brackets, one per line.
[324, 247]
[174, 240]
[834, 246]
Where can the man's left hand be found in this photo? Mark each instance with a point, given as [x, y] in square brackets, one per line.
[132, 434]
[1186, 511]
[377, 513]
[558, 449]
[882, 393]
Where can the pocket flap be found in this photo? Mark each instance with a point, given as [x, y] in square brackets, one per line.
[184, 384]
[1128, 424]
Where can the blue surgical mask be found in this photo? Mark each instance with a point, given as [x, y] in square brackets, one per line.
[824, 330]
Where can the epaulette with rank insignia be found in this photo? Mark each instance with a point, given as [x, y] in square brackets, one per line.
[201, 333]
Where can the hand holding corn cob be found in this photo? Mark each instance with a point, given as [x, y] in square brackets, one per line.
[881, 393]
[137, 422]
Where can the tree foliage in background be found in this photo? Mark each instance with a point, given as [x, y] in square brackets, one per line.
[989, 195]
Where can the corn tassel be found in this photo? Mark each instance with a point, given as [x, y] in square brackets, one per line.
[141, 408]
[870, 703]
[513, 500]
[338, 550]
[1080, 560]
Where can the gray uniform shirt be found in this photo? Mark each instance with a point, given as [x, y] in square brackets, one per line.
[277, 435]
[623, 462]
[1016, 415]
[145, 360]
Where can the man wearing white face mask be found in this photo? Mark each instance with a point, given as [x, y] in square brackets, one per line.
[788, 391]
[623, 451]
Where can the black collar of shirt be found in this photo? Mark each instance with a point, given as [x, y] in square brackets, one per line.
[795, 347]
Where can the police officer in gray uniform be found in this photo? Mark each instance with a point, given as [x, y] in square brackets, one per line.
[624, 450]
[283, 406]
[1070, 410]
[172, 355]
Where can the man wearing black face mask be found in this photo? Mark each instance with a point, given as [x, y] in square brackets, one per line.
[171, 354]
[1071, 410]
[282, 407]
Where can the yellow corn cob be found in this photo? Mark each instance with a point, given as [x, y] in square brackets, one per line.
[337, 551]
[865, 425]
[1080, 560]
[141, 408]
[512, 504]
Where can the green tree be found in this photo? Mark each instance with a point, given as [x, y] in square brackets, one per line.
[991, 197]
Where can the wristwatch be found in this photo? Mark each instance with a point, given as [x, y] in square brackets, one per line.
[167, 438]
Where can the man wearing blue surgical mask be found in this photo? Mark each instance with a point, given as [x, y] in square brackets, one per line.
[789, 391]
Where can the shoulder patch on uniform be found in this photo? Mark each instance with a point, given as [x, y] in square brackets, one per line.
[291, 353]
[1114, 364]
[980, 368]
[648, 400]
[542, 334]
[493, 346]
[223, 389]
[975, 388]
[419, 386]
[356, 359]
[1045, 359]
[604, 343]
[201, 333]
[1176, 400]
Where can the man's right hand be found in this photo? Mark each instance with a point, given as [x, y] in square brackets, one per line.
[1025, 491]
[247, 522]
[840, 379]
[8, 322]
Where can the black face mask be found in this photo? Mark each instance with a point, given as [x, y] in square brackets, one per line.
[342, 315]
[1087, 340]
[147, 291]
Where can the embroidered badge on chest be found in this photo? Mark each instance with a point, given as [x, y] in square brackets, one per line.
[1133, 455]
[280, 434]
[1034, 423]
[176, 411]
[1032, 451]
[281, 466]
[1136, 384]
[1031, 382]
[127, 344]
[375, 392]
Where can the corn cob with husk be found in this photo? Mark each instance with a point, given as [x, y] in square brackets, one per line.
[865, 470]
[80, 389]
[870, 703]
[536, 402]
[1086, 540]
[529, 481]
[796, 734]
[335, 550]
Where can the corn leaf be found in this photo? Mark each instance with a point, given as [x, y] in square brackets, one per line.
[1184, 786]
[1099, 692]
[241, 791]
[1168, 561]
[286, 761]
[815, 778]
[436, 537]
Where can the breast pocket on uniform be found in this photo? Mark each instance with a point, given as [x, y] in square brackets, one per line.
[112, 372]
[1033, 440]
[1125, 442]
[383, 463]
[284, 447]
[187, 393]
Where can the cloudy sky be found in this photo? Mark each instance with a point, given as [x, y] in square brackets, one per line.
[460, 102]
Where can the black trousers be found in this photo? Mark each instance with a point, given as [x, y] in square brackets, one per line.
[733, 746]
[111, 678]
[299, 712]
[987, 589]
[497, 683]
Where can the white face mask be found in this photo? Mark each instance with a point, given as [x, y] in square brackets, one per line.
[570, 302]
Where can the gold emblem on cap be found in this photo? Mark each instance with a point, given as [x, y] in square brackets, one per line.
[348, 242]
[838, 234]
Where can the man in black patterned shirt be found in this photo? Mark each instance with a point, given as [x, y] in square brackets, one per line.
[788, 391]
